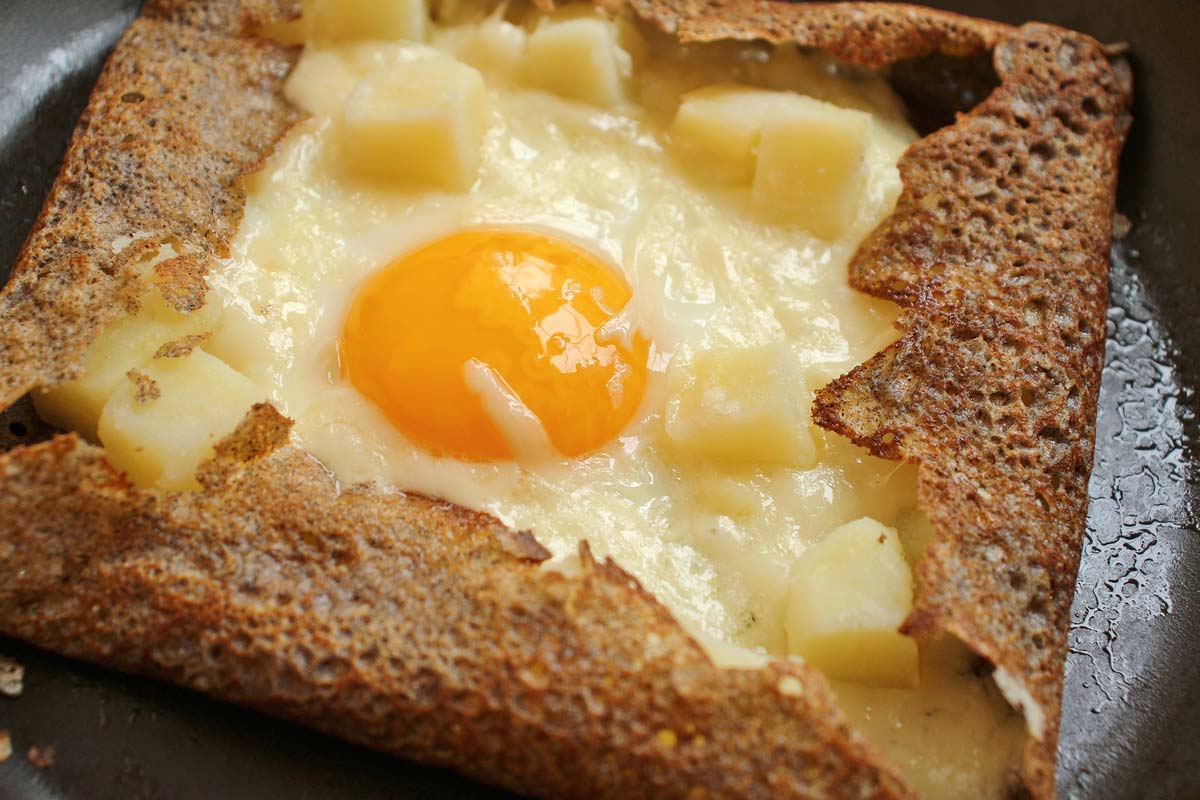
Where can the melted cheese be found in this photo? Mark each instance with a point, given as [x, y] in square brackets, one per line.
[954, 737]
[713, 538]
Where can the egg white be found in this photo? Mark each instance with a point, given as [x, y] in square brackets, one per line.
[704, 269]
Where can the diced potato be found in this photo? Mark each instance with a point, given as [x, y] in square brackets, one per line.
[579, 58]
[718, 127]
[159, 433]
[811, 168]
[343, 20]
[740, 404]
[423, 121]
[868, 656]
[848, 596]
[244, 343]
[321, 81]
[804, 157]
[128, 343]
[494, 46]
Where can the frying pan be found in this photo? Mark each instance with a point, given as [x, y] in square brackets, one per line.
[1132, 700]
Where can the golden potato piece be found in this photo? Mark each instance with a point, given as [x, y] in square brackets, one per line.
[128, 343]
[421, 121]
[810, 169]
[740, 404]
[580, 59]
[718, 128]
[343, 20]
[162, 422]
[849, 595]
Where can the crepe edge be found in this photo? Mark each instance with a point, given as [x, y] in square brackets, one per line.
[992, 388]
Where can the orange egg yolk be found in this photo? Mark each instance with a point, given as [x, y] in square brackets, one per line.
[527, 307]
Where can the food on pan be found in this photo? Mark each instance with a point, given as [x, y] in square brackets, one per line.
[308, 311]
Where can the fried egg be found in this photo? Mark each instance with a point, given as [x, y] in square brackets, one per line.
[570, 272]
[487, 342]
[517, 347]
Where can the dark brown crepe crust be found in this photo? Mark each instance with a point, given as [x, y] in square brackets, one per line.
[422, 629]
[226, 17]
[178, 116]
[405, 624]
[999, 250]
[869, 34]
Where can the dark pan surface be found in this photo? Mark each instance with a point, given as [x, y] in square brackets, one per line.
[1132, 687]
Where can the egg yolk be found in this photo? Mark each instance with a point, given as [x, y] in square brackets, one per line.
[522, 308]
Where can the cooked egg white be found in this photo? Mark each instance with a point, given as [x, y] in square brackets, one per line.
[688, 212]
[714, 286]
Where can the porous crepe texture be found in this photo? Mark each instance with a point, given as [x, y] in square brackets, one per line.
[419, 628]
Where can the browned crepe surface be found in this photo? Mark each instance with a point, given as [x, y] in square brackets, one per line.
[179, 114]
[420, 628]
[999, 250]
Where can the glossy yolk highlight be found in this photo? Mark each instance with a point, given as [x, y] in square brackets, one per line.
[523, 308]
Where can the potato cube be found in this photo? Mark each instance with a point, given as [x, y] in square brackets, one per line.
[162, 422]
[128, 343]
[243, 341]
[848, 596]
[422, 121]
[810, 168]
[717, 128]
[320, 83]
[494, 47]
[579, 58]
[740, 404]
[343, 20]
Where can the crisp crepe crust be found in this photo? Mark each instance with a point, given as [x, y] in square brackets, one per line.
[228, 17]
[425, 630]
[178, 116]
[869, 34]
[999, 250]
[405, 624]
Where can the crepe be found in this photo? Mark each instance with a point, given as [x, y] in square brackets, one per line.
[425, 630]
